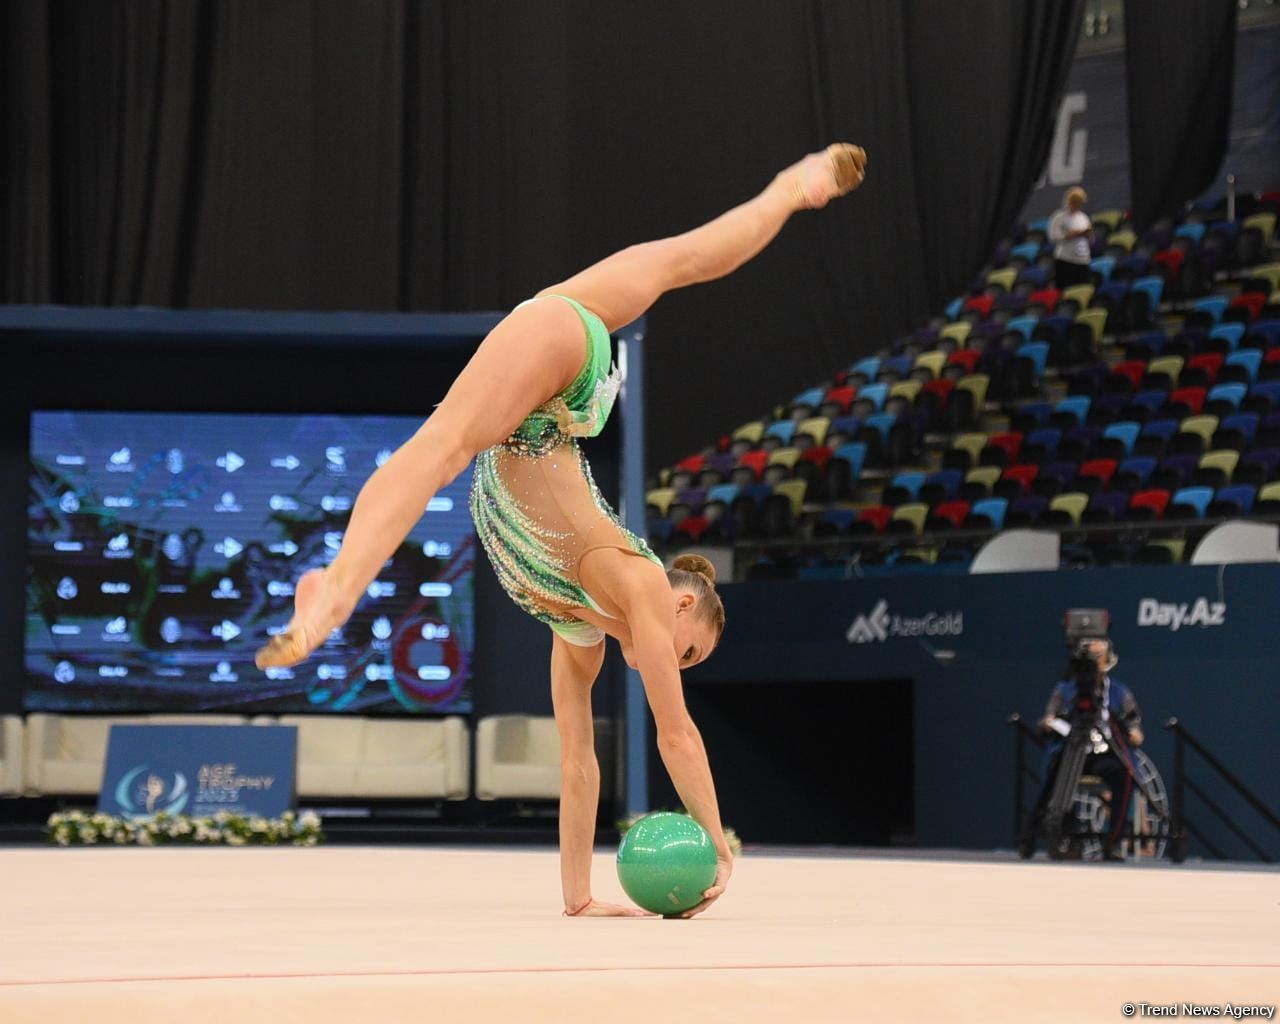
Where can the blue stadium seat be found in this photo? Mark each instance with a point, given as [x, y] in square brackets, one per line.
[1214, 305]
[1138, 467]
[723, 492]
[1193, 232]
[868, 367]
[1024, 325]
[1230, 333]
[1126, 432]
[1038, 353]
[875, 394]
[812, 397]
[1076, 405]
[1103, 266]
[882, 422]
[1028, 251]
[909, 482]
[992, 508]
[1241, 495]
[854, 453]
[781, 429]
[1249, 358]
[1243, 423]
[1233, 393]
[1153, 286]
[953, 308]
[1196, 497]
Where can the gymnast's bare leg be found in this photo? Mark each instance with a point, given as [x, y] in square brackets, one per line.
[526, 360]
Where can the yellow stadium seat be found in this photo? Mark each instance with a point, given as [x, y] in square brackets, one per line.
[1078, 293]
[661, 498]
[1203, 425]
[1073, 504]
[976, 383]
[749, 432]
[957, 332]
[1269, 271]
[986, 475]
[1124, 238]
[1176, 545]
[1004, 278]
[907, 389]
[1264, 222]
[932, 361]
[1224, 459]
[816, 427]
[784, 457]
[915, 513]
[1170, 366]
[793, 489]
[1109, 219]
[1270, 492]
[972, 443]
[1096, 319]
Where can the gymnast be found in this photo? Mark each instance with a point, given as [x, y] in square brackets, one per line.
[517, 408]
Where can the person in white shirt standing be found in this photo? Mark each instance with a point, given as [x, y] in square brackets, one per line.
[1072, 231]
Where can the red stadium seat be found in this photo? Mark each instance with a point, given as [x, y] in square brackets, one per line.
[1209, 362]
[1133, 369]
[818, 455]
[878, 517]
[755, 461]
[981, 304]
[953, 510]
[1252, 301]
[1023, 474]
[1010, 441]
[693, 464]
[1192, 398]
[1169, 260]
[966, 358]
[1103, 469]
[1047, 297]
[843, 395]
[1156, 500]
[693, 527]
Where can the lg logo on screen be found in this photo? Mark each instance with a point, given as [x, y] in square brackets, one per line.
[1202, 612]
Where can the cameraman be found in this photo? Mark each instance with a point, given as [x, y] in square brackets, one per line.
[1119, 726]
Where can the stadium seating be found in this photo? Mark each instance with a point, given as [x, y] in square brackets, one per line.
[1150, 395]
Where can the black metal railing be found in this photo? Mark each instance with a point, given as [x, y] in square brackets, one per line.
[1022, 771]
[1183, 827]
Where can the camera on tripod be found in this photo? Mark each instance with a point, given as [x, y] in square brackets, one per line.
[1084, 627]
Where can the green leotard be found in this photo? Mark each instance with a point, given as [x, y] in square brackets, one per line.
[536, 507]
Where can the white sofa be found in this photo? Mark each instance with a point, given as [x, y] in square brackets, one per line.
[340, 755]
[66, 754]
[11, 767]
[518, 757]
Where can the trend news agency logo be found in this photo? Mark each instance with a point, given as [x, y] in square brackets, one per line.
[152, 794]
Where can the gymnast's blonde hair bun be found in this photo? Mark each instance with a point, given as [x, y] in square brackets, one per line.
[696, 564]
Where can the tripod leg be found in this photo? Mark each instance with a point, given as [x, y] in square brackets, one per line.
[1073, 757]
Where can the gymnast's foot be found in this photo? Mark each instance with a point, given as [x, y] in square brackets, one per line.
[821, 177]
[317, 611]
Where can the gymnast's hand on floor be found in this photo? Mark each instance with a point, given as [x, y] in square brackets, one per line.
[724, 868]
[597, 908]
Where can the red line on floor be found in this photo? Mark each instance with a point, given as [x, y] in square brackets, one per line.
[464, 971]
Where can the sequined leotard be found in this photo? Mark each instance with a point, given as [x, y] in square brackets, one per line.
[536, 507]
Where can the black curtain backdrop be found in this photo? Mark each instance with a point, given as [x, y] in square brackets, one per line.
[457, 155]
[1180, 66]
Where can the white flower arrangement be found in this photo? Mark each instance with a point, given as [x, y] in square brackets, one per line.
[80, 828]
